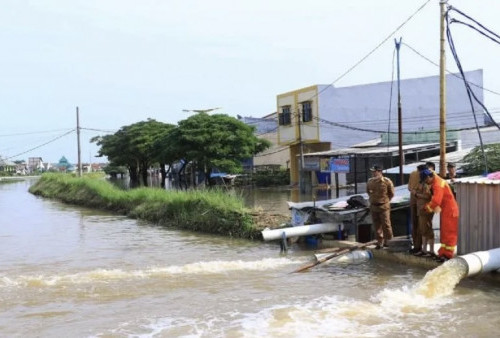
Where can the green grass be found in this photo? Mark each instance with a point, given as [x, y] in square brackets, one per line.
[210, 211]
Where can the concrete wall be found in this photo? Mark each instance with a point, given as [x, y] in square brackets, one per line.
[367, 107]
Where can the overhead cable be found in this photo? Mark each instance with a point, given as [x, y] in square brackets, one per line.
[41, 145]
[448, 71]
[371, 51]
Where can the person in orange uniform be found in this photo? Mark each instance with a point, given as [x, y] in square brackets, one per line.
[380, 192]
[443, 201]
[413, 184]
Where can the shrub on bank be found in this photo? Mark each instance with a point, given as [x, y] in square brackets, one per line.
[210, 211]
[266, 178]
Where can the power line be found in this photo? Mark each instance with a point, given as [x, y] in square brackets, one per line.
[448, 71]
[41, 145]
[33, 133]
[372, 51]
[340, 125]
[100, 130]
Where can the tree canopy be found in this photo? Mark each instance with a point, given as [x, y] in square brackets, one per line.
[475, 160]
[207, 141]
[133, 146]
[217, 141]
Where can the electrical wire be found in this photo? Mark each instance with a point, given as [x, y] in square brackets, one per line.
[101, 130]
[475, 21]
[448, 71]
[470, 94]
[474, 28]
[457, 61]
[33, 132]
[371, 51]
[41, 145]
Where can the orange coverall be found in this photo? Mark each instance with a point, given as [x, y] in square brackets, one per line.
[442, 196]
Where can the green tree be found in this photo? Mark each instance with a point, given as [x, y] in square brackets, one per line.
[474, 161]
[216, 141]
[164, 151]
[133, 146]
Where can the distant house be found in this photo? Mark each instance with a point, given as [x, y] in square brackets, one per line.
[7, 166]
[275, 156]
[35, 164]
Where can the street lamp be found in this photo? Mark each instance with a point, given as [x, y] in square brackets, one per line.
[200, 110]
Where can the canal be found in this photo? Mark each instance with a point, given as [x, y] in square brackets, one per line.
[67, 271]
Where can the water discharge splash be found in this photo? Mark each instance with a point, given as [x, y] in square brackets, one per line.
[428, 293]
[442, 280]
[105, 275]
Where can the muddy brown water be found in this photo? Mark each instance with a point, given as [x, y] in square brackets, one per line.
[67, 271]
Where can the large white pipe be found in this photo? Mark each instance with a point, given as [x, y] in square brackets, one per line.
[301, 230]
[481, 261]
[356, 256]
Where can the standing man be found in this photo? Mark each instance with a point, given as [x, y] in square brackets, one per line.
[452, 172]
[413, 184]
[451, 176]
[424, 196]
[380, 192]
[443, 201]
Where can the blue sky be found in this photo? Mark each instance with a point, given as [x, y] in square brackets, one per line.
[123, 61]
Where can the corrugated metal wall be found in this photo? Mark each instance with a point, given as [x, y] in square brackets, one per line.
[479, 221]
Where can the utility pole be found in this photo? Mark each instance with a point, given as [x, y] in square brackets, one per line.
[78, 142]
[302, 187]
[442, 94]
[400, 119]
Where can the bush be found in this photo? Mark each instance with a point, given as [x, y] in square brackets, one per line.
[268, 178]
[474, 161]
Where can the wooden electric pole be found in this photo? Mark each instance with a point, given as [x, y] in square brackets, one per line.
[400, 120]
[442, 93]
[302, 187]
[78, 142]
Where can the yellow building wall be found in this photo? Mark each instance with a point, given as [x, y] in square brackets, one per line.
[309, 132]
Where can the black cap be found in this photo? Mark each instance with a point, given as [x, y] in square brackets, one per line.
[430, 165]
[421, 167]
[376, 168]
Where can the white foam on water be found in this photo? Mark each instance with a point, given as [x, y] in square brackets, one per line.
[442, 280]
[430, 293]
[107, 275]
[391, 312]
[325, 316]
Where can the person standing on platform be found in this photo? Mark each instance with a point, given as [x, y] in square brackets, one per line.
[380, 192]
[451, 175]
[443, 201]
[424, 196]
[413, 183]
[430, 165]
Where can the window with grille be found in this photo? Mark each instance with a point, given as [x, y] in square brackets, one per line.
[284, 117]
[306, 111]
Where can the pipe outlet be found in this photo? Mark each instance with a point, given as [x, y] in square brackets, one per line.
[481, 261]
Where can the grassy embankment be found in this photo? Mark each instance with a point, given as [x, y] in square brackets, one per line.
[209, 211]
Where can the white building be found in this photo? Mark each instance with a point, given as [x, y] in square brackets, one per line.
[323, 117]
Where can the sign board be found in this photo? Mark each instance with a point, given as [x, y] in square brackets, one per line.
[339, 165]
[311, 164]
[324, 165]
